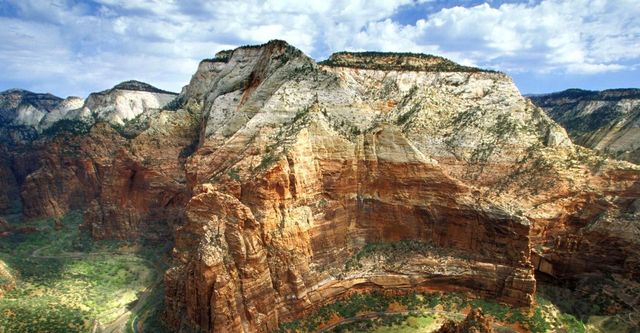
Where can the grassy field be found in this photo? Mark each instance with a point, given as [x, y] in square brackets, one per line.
[66, 281]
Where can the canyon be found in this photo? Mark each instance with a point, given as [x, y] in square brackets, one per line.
[606, 121]
[272, 173]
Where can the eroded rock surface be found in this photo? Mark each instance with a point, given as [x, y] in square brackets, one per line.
[128, 177]
[274, 173]
[607, 121]
[331, 157]
[475, 322]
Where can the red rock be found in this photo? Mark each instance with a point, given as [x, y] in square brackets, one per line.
[26, 230]
[276, 171]
[475, 322]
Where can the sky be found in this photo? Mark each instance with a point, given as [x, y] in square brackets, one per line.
[73, 47]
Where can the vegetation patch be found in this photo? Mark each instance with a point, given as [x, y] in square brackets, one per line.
[234, 174]
[268, 159]
[379, 312]
[70, 126]
[391, 251]
[397, 61]
[66, 282]
[190, 149]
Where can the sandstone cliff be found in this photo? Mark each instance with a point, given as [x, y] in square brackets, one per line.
[278, 175]
[24, 108]
[128, 177]
[303, 164]
[21, 109]
[475, 322]
[607, 120]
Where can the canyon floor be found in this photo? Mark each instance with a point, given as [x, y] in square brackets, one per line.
[67, 282]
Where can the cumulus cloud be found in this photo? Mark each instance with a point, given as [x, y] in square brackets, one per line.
[580, 36]
[75, 47]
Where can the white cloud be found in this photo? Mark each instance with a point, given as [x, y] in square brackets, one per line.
[585, 68]
[67, 46]
[162, 41]
[580, 36]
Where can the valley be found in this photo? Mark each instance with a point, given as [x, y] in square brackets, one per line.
[370, 192]
[66, 282]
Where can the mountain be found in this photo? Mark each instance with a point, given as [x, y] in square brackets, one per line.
[38, 112]
[22, 107]
[289, 184]
[607, 121]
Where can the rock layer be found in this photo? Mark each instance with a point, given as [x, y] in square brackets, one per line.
[606, 121]
[279, 173]
[475, 322]
[331, 158]
[25, 108]
[128, 178]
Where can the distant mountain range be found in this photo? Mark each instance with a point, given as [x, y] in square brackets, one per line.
[608, 120]
[35, 113]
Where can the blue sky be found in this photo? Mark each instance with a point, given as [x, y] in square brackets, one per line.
[73, 47]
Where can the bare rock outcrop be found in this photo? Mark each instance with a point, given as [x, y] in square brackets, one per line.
[606, 121]
[381, 149]
[24, 108]
[128, 178]
[274, 173]
[475, 322]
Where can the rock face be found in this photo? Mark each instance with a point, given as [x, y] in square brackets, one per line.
[24, 108]
[475, 322]
[320, 160]
[128, 178]
[279, 173]
[118, 105]
[126, 186]
[608, 121]
[38, 112]
[126, 101]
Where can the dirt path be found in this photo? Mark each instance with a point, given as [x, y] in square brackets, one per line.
[120, 323]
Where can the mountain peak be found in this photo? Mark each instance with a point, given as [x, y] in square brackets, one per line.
[274, 44]
[24, 92]
[12, 99]
[591, 95]
[134, 85]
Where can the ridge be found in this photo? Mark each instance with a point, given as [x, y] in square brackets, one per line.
[397, 61]
[134, 85]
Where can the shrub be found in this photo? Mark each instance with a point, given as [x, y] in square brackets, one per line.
[190, 149]
[70, 126]
[175, 103]
[233, 173]
[572, 324]
[497, 310]
[268, 159]
[371, 60]
[537, 323]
